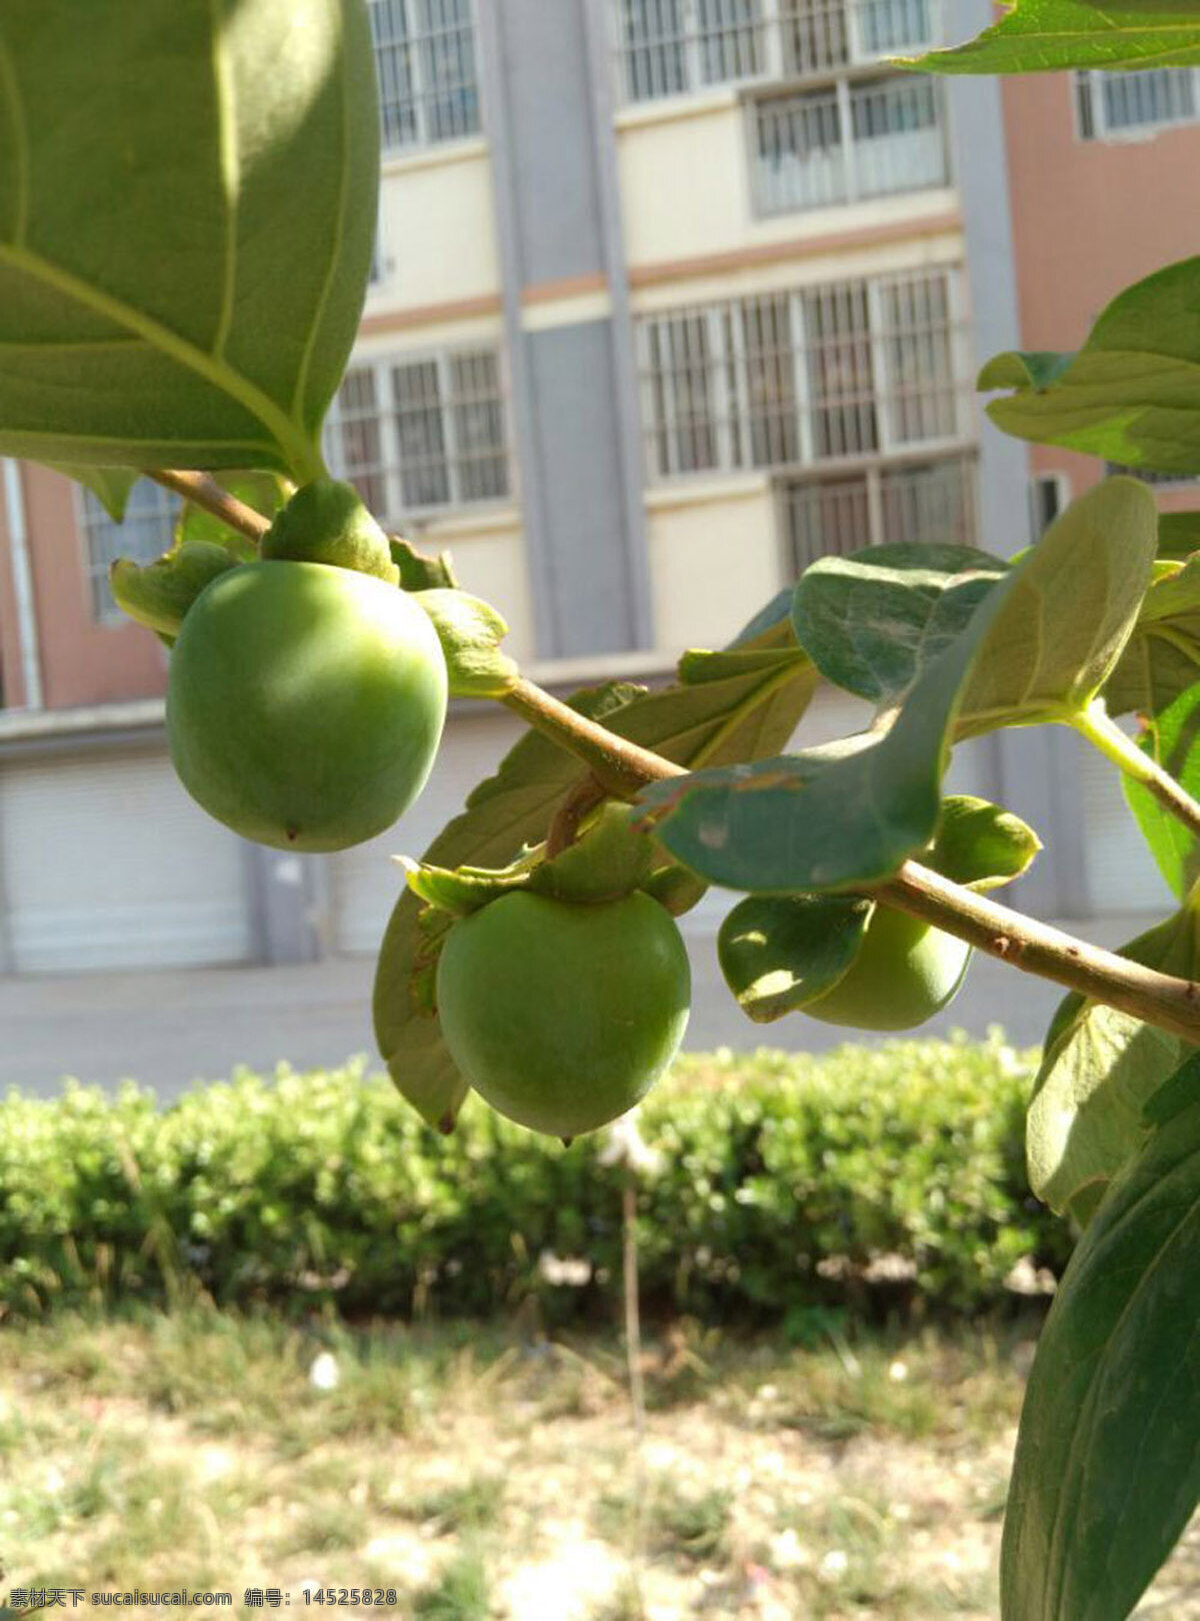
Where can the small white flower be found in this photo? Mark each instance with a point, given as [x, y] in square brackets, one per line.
[833, 1566]
[898, 1372]
[787, 1551]
[325, 1373]
[626, 1146]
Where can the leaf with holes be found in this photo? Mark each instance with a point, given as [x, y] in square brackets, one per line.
[1107, 1470]
[1131, 394]
[169, 294]
[1036, 36]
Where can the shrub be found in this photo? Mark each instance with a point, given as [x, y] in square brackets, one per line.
[783, 1178]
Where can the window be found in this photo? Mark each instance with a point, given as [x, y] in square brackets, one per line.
[1116, 104]
[147, 532]
[927, 502]
[415, 435]
[847, 370]
[1049, 494]
[679, 47]
[425, 60]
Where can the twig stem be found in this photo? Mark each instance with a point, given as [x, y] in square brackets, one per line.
[203, 491]
[1103, 733]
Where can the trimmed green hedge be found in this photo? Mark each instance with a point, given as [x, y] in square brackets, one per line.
[782, 1178]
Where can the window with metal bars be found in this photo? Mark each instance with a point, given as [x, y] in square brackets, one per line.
[830, 373]
[148, 530]
[425, 57]
[1110, 105]
[1148, 475]
[930, 502]
[678, 47]
[414, 435]
[848, 142]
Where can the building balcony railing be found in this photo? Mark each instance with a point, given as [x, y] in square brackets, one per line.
[681, 47]
[850, 143]
[930, 502]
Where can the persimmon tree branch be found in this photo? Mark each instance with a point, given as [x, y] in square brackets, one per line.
[1102, 732]
[1037, 948]
[1012, 937]
[204, 492]
[622, 769]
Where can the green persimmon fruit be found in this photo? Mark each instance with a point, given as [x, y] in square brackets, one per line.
[562, 1016]
[904, 973]
[327, 522]
[305, 703]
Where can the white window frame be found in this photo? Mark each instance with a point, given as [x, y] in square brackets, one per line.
[392, 467]
[422, 95]
[1093, 82]
[730, 421]
[90, 517]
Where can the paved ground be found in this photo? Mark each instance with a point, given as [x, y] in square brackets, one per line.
[169, 1029]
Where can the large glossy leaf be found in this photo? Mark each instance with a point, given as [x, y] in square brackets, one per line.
[1107, 1469]
[871, 621]
[1100, 1067]
[187, 203]
[1131, 394]
[725, 706]
[1039, 35]
[1172, 739]
[1038, 646]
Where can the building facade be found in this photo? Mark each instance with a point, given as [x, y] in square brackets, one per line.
[670, 297]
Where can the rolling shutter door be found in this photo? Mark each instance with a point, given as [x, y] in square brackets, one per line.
[107, 864]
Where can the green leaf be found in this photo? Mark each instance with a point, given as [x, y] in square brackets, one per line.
[470, 631]
[1172, 740]
[1073, 606]
[872, 621]
[724, 704]
[1107, 1470]
[1037, 647]
[609, 860]
[1043, 35]
[419, 572]
[1162, 659]
[980, 845]
[1100, 1067]
[159, 594]
[110, 485]
[1132, 393]
[1175, 1095]
[171, 294]
[1178, 535]
[779, 953]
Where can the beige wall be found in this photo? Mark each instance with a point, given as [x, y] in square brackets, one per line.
[715, 558]
[686, 182]
[442, 196]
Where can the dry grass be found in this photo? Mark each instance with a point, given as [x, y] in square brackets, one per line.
[481, 1476]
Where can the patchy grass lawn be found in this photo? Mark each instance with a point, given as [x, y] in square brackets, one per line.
[480, 1476]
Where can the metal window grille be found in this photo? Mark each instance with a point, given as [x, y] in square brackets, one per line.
[147, 531]
[422, 434]
[1148, 475]
[803, 159]
[785, 379]
[1113, 104]
[676, 47]
[929, 502]
[428, 79]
